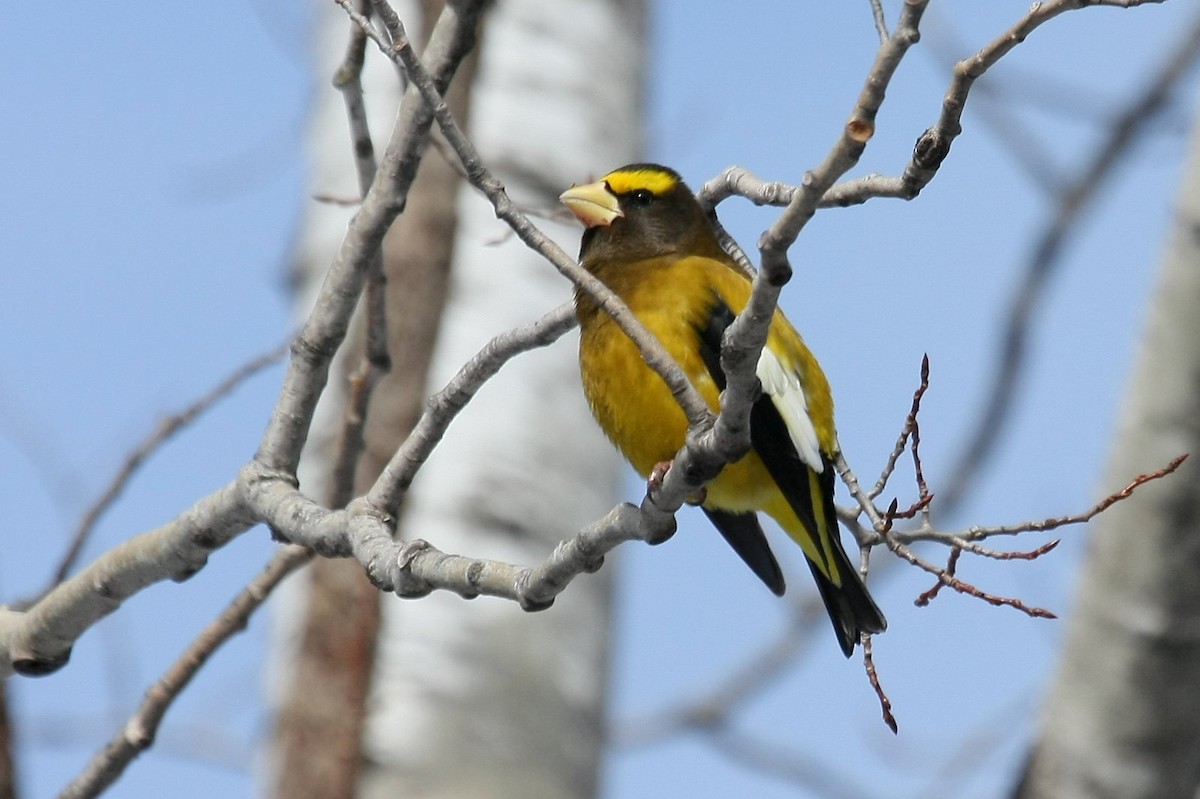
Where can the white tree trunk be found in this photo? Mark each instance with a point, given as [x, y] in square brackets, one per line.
[1123, 716]
[332, 177]
[480, 698]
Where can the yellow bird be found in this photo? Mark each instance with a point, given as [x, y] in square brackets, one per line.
[650, 242]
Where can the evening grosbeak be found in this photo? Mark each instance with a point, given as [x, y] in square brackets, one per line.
[650, 242]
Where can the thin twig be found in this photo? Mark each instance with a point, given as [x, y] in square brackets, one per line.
[1004, 554]
[925, 598]
[980, 532]
[926, 498]
[932, 146]
[885, 704]
[880, 21]
[956, 550]
[347, 79]
[963, 587]
[1046, 258]
[138, 733]
[893, 511]
[897, 541]
[376, 361]
[910, 423]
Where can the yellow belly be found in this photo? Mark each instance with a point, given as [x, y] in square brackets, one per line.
[633, 405]
[636, 409]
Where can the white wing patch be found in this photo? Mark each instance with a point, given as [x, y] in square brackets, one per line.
[783, 387]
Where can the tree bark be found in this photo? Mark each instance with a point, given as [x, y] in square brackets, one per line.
[8, 768]
[320, 721]
[479, 698]
[1123, 715]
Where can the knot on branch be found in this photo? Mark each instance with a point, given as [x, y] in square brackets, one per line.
[779, 276]
[363, 506]
[256, 473]
[860, 131]
[656, 524]
[698, 471]
[931, 149]
[533, 598]
[408, 585]
[31, 665]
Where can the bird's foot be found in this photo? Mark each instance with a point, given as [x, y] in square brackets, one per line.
[655, 481]
[659, 473]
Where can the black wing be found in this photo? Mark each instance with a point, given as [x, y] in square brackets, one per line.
[740, 530]
[850, 606]
[769, 435]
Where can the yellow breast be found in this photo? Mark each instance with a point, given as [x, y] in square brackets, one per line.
[633, 405]
[630, 401]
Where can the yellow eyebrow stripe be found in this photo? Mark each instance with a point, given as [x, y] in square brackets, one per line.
[655, 181]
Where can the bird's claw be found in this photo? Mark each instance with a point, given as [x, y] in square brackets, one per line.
[659, 473]
[655, 481]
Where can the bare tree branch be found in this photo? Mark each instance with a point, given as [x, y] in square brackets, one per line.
[138, 733]
[931, 147]
[162, 432]
[326, 327]
[977, 532]
[1125, 131]
[947, 578]
[934, 144]
[376, 361]
[39, 640]
[881, 531]
[744, 339]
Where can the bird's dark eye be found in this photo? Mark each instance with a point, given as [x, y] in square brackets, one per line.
[642, 197]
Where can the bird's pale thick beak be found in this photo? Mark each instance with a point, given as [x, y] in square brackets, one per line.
[593, 204]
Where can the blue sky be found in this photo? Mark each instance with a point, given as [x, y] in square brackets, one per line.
[150, 183]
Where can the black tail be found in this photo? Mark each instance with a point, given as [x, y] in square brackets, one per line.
[850, 606]
[743, 532]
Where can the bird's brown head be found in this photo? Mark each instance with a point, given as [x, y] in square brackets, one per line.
[637, 212]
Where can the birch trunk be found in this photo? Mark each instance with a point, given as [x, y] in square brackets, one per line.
[479, 698]
[1123, 715]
